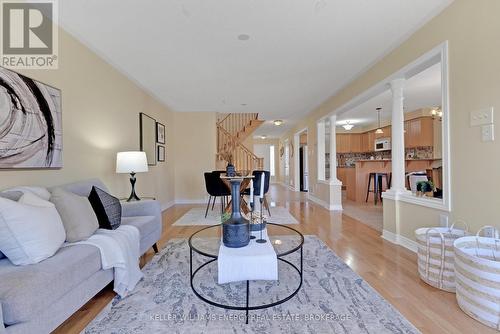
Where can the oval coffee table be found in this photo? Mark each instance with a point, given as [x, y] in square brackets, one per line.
[285, 240]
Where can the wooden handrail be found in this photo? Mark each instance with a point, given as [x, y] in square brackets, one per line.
[243, 158]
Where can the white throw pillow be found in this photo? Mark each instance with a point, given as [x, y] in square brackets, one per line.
[31, 230]
[41, 192]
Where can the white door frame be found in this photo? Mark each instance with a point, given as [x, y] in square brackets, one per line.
[296, 158]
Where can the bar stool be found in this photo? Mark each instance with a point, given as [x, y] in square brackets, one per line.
[377, 185]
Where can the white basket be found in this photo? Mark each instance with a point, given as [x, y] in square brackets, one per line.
[435, 255]
[477, 268]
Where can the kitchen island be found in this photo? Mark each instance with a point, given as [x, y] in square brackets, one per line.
[356, 178]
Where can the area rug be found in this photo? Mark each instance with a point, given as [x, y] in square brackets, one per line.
[196, 216]
[333, 299]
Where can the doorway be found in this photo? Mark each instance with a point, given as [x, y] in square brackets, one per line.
[303, 163]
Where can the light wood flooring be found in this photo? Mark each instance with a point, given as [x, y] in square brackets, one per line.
[389, 269]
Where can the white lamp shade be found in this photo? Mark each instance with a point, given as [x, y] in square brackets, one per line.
[131, 162]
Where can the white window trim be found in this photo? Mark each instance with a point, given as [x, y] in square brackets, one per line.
[439, 52]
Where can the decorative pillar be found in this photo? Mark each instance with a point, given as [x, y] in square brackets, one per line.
[320, 129]
[333, 149]
[335, 184]
[398, 137]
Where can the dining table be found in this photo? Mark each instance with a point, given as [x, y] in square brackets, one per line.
[237, 184]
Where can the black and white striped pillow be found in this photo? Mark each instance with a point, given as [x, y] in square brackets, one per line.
[107, 208]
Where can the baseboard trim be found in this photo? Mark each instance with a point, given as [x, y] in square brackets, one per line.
[328, 206]
[191, 201]
[400, 240]
[167, 205]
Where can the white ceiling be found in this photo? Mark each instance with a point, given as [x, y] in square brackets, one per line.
[300, 52]
[421, 91]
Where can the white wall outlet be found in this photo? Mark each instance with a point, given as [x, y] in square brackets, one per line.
[443, 220]
[481, 117]
[488, 133]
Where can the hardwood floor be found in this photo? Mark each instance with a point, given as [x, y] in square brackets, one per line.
[389, 269]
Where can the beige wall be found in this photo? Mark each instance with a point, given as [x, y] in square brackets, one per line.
[100, 117]
[194, 153]
[473, 31]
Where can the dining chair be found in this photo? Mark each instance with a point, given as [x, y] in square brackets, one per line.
[256, 186]
[215, 188]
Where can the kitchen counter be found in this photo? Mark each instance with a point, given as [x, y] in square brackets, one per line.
[364, 167]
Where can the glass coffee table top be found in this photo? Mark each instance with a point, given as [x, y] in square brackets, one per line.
[284, 239]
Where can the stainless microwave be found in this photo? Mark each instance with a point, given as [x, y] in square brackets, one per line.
[382, 144]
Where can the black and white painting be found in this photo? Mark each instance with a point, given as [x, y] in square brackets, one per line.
[30, 123]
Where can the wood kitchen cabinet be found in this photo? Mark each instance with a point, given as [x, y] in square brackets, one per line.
[419, 132]
[386, 134]
[343, 143]
[356, 143]
[368, 141]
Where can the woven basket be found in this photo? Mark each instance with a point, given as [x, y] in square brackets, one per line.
[477, 268]
[436, 256]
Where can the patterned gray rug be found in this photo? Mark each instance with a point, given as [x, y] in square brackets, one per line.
[333, 299]
[196, 216]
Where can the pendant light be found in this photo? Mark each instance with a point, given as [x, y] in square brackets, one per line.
[379, 129]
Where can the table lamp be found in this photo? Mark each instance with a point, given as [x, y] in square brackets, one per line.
[132, 162]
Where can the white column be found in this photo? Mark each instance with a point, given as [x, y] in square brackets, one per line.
[335, 184]
[398, 137]
[320, 129]
[333, 149]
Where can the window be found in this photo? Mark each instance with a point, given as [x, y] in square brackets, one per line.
[271, 160]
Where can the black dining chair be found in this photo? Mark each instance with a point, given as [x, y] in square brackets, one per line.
[215, 188]
[256, 186]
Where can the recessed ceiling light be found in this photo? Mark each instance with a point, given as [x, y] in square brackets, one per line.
[278, 122]
[263, 137]
[243, 37]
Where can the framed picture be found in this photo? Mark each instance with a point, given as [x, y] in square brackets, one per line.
[161, 153]
[160, 133]
[31, 115]
[147, 126]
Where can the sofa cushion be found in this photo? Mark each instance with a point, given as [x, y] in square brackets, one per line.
[107, 208]
[145, 224]
[77, 215]
[26, 290]
[82, 188]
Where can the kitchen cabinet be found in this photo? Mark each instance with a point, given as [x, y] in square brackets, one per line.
[343, 143]
[386, 134]
[348, 178]
[419, 132]
[356, 143]
[368, 141]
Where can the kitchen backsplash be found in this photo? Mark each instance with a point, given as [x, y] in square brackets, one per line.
[349, 159]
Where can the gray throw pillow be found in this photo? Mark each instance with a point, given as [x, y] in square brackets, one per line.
[12, 195]
[77, 215]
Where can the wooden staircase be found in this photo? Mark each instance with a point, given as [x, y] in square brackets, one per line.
[232, 130]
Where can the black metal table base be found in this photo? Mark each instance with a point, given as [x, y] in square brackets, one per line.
[247, 307]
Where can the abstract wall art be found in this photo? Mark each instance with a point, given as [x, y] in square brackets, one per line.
[30, 123]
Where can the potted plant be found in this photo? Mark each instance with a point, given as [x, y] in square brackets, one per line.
[425, 188]
[228, 157]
